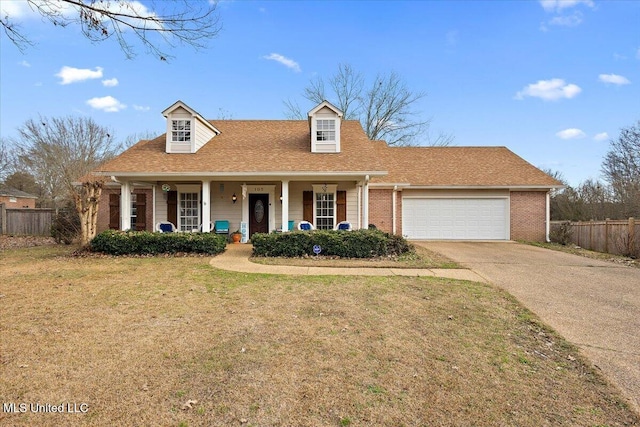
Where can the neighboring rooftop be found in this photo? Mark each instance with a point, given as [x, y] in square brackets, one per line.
[5, 190]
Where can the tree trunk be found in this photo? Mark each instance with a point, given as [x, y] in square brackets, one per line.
[87, 198]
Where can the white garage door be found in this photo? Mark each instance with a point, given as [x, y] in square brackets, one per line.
[463, 219]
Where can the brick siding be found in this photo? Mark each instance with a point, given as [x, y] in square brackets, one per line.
[528, 215]
[381, 209]
[21, 202]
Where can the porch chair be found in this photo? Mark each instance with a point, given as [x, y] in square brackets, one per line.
[344, 226]
[165, 227]
[221, 227]
[208, 229]
[305, 226]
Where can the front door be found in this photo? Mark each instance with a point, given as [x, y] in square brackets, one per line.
[258, 213]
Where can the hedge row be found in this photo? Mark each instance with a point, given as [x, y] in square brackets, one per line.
[144, 243]
[347, 244]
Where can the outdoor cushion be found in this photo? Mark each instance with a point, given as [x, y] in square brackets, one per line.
[221, 226]
[166, 227]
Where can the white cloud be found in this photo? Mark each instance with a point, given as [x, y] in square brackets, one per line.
[107, 104]
[110, 82]
[614, 79]
[549, 90]
[572, 20]
[571, 133]
[141, 108]
[24, 63]
[558, 5]
[14, 9]
[602, 136]
[289, 63]
[72, 75]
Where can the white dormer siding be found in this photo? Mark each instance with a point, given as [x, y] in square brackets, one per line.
[325, 122]
[187, 131]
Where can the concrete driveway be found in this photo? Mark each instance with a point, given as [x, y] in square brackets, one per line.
[594, 304]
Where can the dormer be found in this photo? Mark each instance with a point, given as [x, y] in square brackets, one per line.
[187, 131]
[325, 121]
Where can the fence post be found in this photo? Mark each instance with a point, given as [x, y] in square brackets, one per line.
[591, 235]
[3, 219]
[606, 235]
[632, 235]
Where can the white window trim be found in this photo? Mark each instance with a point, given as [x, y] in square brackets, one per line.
[329, 121]
[191, 123]
[189, 189]
[328, 189]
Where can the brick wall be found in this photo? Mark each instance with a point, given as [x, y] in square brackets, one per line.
[381, 209]
[103, 208]
[20, 202]
[528, 215]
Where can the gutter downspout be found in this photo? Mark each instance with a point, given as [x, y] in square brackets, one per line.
[393, 212]
[548, 219]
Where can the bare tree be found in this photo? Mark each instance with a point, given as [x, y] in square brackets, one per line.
[134, 138]
[386, 108]
[621, 168]
[185, 22]
[61, 153]
[5, 159]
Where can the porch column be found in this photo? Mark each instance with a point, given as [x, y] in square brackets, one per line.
[285, 206]
[125, 205]
[206, 206]
[365, 203]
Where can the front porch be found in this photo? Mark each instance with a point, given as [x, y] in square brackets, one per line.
[248, 206]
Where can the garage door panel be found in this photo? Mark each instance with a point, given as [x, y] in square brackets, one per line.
[459, 219]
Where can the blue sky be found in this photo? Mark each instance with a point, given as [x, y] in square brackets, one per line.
[551, 80]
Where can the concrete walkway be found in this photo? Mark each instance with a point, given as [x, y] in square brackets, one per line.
[594, 304]
[236, 258]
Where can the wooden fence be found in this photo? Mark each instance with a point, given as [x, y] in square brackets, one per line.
[621, 237]
[30, 222]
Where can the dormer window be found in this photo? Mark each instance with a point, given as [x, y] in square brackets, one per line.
[324, 121]
[326, 130]
[187, 131]
[181, 131]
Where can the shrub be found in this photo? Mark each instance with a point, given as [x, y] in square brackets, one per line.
[561, 233]
[145, 243]
[347, 244]
[66, 226]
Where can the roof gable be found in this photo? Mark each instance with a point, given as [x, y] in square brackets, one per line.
[180, 106]
[325, 105]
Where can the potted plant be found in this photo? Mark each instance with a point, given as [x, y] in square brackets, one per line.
[236, 236]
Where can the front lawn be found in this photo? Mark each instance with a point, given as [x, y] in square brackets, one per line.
[135, 339]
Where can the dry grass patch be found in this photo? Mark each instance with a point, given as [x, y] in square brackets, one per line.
[137, 338]
[577, 250]
[421, 258]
